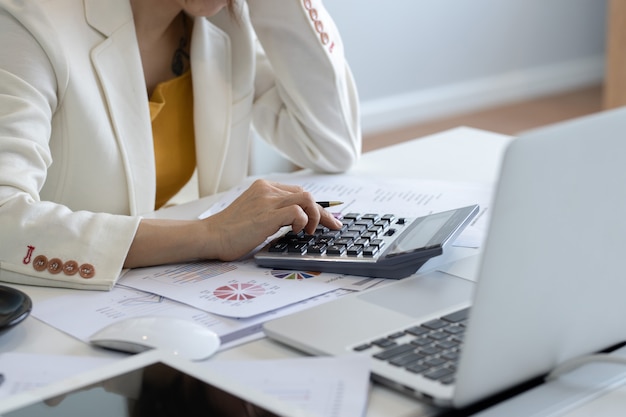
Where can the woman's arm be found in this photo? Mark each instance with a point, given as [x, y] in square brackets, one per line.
[306, 100]
[232, 233]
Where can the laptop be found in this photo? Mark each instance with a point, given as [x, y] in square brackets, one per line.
[551, 279]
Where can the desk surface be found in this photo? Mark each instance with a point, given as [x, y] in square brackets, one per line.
[462, 154]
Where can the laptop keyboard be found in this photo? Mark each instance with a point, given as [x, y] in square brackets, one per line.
[431, 349]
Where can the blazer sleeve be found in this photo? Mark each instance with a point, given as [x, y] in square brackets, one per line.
[306, 100]
[41, 242]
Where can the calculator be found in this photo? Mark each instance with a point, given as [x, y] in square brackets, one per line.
[369, 244]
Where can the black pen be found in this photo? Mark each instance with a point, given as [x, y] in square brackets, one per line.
[329, 203]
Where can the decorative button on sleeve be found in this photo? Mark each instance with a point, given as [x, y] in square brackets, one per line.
[70, 268]
[317, 23]
[40, 263]
[55, 265]
[87, 271]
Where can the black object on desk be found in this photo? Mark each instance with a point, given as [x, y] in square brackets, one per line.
[15, 306]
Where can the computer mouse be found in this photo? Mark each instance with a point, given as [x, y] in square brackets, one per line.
[181, 337]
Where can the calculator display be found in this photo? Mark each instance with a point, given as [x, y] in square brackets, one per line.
[422, 233]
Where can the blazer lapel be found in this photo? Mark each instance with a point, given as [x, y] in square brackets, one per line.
[117, 63]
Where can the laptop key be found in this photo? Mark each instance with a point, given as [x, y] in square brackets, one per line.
[362, 347]
[447, 380]
[438, 373]
[416, 368]
[394, 351]
[435, 362]
[406, 360]
[422, 341]
[438, 335]
[454, 329]
[435, 324]
[384, 343]
[416, 330]
[457, 316]
[429, 350]
[447, 344]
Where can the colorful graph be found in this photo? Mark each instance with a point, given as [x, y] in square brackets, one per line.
[239, 291]
[295, 275]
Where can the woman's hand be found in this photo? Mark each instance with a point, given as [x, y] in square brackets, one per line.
[259, 212]
[232, 233]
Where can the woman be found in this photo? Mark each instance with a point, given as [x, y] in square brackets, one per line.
[107, 107]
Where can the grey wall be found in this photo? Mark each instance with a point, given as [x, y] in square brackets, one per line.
[415, 60]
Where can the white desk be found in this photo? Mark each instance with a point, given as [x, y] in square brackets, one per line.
[461, 154]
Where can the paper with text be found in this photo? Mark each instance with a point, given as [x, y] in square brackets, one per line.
[403, 197]
[26, 371]
[324, 386]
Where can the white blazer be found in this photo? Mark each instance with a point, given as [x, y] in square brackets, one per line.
[76, 152]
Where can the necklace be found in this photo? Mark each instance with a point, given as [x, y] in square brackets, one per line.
[180, 54]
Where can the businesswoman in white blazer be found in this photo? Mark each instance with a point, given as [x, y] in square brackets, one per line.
[108, 106]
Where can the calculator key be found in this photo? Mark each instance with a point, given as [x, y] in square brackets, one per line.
[336, 249]
[389, 217]
[362, 242]
[297, 248]
[382, 223]
[357, 228]
[317, 248]
[365, 222]
[321, 229]
[371, 216]
[324, 240]
[369, 235]
[332, 234]
[370, 251]
[347, 223]
[376, 229]
[350, 235]
[377, 242]
[292, 234]
[278, 247]
[343, 242]
[306, 239]
[355, 250]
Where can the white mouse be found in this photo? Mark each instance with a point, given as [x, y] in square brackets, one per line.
[179, 336]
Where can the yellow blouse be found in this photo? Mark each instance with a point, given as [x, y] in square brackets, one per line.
[171, 111]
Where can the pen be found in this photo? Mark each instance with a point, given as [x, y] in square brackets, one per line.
[329, 203]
